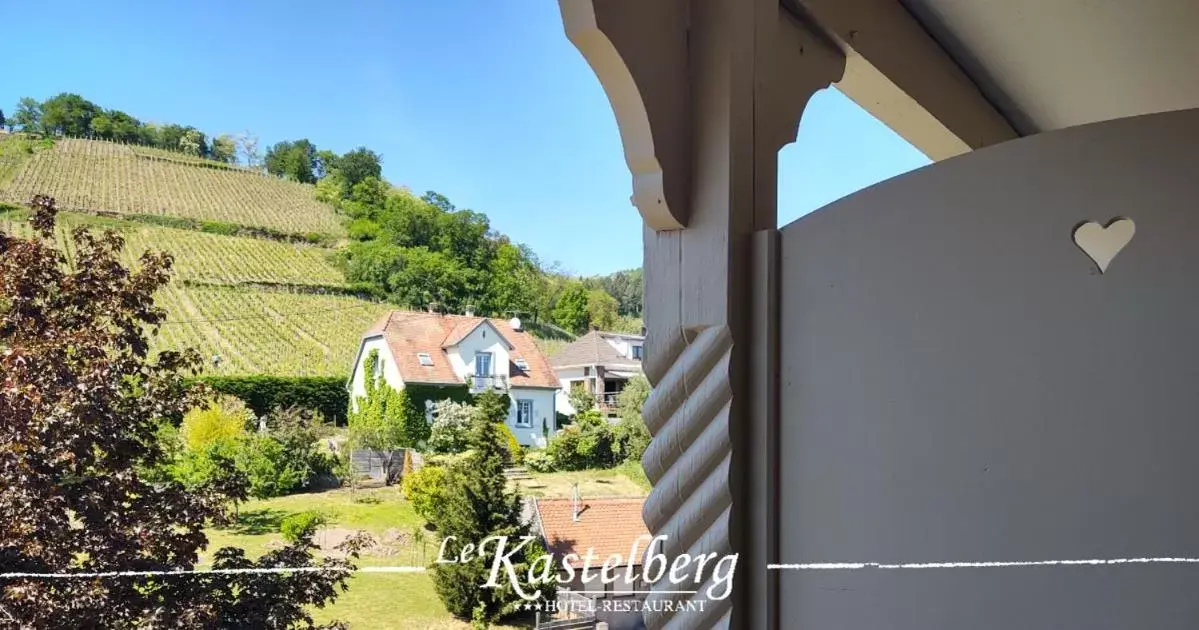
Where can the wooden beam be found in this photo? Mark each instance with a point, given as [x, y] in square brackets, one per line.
[896, 71]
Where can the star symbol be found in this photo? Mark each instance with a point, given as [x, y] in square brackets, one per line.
[538, 606]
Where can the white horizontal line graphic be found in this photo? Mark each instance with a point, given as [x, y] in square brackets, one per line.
[851, 566]
[636, 592]
[252, 570]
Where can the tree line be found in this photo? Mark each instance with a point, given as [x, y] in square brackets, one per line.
[68, 114]
[422, 251]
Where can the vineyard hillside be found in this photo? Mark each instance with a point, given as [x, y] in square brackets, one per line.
[256, 306]
[104, 177]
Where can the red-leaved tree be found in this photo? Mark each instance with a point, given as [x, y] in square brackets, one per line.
[80, 400]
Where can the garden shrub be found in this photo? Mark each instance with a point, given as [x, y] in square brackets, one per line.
[631, 433]
[212, 446]
[426, 488]
[214, 465]
[271, 471]
[299, 431]
[451, 427]
[539, 461]
[631, 438]
[223, 418]
[590, 442]
[301, 526]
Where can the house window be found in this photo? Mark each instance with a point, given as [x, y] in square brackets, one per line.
[522, 364]
[637, 352]
[425, 359]
[482, 364]
[587, 371]
[524, 412]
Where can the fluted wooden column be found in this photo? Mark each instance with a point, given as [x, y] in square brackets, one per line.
[705, 93]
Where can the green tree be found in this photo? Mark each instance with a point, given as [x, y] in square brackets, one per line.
[101, 127]
[627, 287]
[359, 165]
[193, 142]
[580, 399]
[293, 160]
[326, 163]
[478, 505]
[332, 188]
[601, 309]
[370, 191]
[2, 120]
[570, 312]
[124, 128]
[169, 136]
[513, 280]
[492, 406]
[68, 114]
[438, 200]
[28, 115]
[631, 433]
[224, 149]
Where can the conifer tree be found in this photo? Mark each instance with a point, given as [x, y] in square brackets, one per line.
[479, 505]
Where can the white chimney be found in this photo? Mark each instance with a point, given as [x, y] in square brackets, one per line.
[470, 310]
[574, 502]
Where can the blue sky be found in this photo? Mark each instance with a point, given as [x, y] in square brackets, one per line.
[483, 101]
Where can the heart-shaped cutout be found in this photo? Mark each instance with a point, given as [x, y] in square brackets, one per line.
[1103, 243]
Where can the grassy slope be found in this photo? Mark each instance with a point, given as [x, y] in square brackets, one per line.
[102, 176]
[253, 329]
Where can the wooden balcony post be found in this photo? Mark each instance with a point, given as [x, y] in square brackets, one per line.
[705, 93]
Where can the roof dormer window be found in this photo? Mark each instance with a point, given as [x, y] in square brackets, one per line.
[424, 359]
[522, 364]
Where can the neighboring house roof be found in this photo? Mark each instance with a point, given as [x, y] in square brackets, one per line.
[410, 333]
[592, 349]
[606, 526]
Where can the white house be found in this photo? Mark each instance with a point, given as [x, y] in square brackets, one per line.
[482, 353]
[601, 363]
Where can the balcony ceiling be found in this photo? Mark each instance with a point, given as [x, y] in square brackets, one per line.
[1048, 64]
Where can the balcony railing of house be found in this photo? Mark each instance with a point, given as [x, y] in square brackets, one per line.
[482, 383]
[607, 400]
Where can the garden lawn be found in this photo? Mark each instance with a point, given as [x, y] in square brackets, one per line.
[626, 480]
[374, 601]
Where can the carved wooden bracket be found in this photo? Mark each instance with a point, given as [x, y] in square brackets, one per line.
[638, 50]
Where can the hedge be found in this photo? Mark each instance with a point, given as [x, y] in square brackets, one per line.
[326, 394]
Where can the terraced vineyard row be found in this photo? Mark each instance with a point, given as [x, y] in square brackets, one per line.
[211, 258]
[253, 330]
[266, 332]
[92, 175]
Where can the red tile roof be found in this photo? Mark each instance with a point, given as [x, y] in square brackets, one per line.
[606, 526]
[409, 333]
